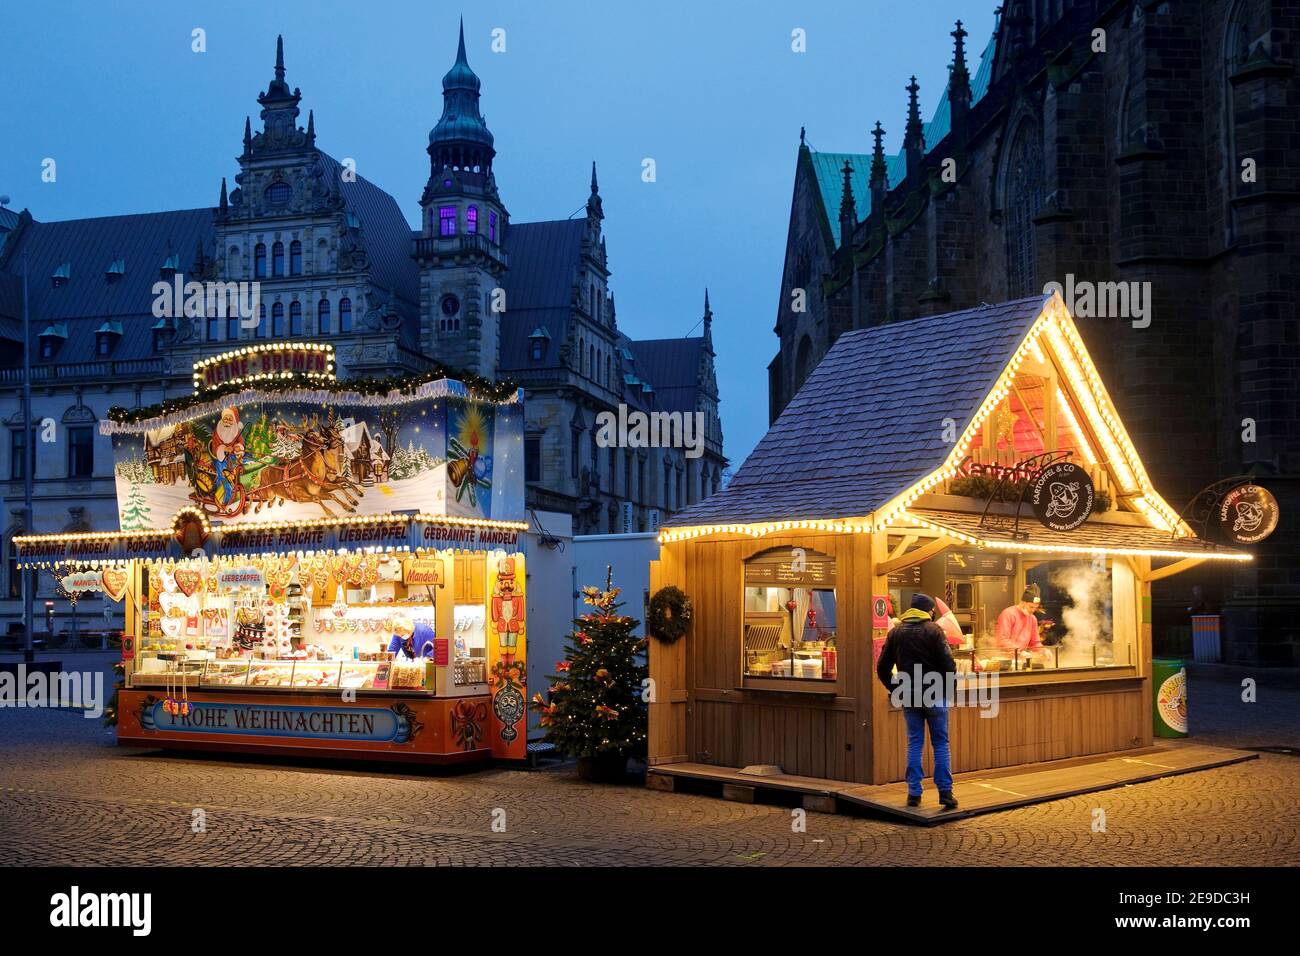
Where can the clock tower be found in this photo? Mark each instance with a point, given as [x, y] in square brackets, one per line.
[461, 245]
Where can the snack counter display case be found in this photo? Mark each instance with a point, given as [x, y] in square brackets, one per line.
[361, 655]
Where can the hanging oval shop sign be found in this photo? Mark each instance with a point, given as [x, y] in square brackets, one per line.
[1062, 496]
[82, 581]
[1248, 514]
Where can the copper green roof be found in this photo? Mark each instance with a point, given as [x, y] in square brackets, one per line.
[829, 167]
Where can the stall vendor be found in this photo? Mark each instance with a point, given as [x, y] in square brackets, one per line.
[410, 639]
[1017, 627]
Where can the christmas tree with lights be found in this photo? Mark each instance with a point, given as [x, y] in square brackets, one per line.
[596, 707]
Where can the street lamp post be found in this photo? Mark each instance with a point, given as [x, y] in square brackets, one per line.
[29, 460]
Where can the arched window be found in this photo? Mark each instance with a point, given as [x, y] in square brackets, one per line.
[591, 353]
[295, 258]
[1249, 34]
[278, 194]
[277, 259]
[345, 315]
[323, 317]
[277, 320]
[233, 263]
[446, 220]
[295, 318]
[259, 261]
[1022, 195]
[1247, 37]
[582, 356]
[802, 361]
[609, 374]
[471, 219]
[261, 321]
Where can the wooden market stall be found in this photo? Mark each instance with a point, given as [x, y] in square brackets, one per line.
[968, 456]
[315, 568]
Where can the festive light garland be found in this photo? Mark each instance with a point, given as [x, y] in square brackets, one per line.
[327, 375]
[391, 390]
[1134, 485]
[253, 527]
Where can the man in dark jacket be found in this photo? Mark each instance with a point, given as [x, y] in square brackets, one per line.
[917, 648]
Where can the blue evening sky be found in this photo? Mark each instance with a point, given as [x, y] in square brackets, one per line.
[712, 91]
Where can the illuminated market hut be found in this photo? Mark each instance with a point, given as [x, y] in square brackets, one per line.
[898, 468]
[312, 567]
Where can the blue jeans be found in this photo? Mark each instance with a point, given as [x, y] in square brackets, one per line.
[937, 718]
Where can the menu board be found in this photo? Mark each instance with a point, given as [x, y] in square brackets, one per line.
[909, 577]
[959, 562]
[790, 568]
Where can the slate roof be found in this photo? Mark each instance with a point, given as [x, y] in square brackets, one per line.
[387, 235]
[539, 288]
[828, 167]
[88, 298]
[672, 367]
[869, 421]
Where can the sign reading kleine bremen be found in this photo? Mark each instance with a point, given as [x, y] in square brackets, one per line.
[251, 364]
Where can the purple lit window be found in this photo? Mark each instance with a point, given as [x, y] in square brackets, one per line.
[471, 219]
[446, 220]
[492, 227]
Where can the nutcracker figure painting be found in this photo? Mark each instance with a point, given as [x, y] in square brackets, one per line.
[507, 608]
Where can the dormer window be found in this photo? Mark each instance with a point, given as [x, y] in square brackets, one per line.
[61, 275]
[446, 220]
[107, 337]
[116, 269]
[171, 265]
[278, 194]
[160, 330]
[538, 338]
[52, 339]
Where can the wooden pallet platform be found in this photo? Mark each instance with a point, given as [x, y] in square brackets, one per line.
[986, 791]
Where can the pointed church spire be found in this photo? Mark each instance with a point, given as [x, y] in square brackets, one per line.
[708, 322]
[594, 207]
[223, 203]
[959, 92]
[879, 182]
[248, 134]
[311, 127]
[914, 137]
[279, 56]
[848, 209]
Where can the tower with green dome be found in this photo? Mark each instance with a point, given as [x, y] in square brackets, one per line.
[461, 247]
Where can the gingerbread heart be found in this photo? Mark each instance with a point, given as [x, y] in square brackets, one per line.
[114, 581]
[187, 580]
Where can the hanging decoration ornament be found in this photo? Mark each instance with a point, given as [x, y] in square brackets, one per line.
[114, 581]
[668, 614]
[188, 580]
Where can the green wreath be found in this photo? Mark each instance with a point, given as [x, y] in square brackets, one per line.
[668, 615]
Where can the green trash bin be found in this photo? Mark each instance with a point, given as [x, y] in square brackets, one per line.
[1169, 701]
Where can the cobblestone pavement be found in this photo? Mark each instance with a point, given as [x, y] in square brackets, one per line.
[68, 795]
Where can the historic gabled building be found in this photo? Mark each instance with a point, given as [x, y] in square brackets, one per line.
[1141, 153]
[336, 259]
